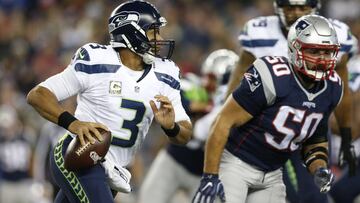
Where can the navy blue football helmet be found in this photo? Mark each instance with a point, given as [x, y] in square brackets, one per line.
[279, 4]
[128, 24]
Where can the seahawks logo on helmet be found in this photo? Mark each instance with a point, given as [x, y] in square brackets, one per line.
[123, 18]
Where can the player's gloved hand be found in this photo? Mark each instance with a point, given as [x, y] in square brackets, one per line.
[347, 153]
[210, 187]
[118, 177]
[323, 178]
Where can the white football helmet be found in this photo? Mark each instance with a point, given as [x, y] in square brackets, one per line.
[313, 32]
[219, 63]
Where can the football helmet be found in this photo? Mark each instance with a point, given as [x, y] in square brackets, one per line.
[128, 26]
[284, 17]
[220, 63]
[313, 47]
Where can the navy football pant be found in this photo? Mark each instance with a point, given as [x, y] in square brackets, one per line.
[86, 186]
[300, 186]
[347, 188]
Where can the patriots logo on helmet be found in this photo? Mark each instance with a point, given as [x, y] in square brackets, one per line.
[301, 25]
[123, 18]
[253, 80]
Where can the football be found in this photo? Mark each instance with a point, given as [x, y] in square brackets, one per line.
[79, 157]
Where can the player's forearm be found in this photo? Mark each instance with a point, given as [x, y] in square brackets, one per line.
[215, 146]
[319, 154]
[184, 134]
[45, 102]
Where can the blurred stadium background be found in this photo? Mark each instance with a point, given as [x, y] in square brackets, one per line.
[38, 39]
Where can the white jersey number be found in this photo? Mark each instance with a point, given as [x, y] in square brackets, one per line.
[130, 125]
[290, 140]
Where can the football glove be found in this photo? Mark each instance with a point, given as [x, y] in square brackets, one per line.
[323, 178]
[347, 153]
[118, 177]
[210, 187]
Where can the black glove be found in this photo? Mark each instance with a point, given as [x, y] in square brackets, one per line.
[323, 178]
[210, 187]
[347, 153]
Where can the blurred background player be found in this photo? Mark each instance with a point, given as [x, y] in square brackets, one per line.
[281, 105]
[179, 168]
[16, 153]
[124, 85]
[266, 35]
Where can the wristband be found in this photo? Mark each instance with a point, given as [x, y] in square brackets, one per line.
[65, 119]
[172, 132]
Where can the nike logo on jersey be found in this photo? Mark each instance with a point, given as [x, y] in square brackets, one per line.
[253, 80]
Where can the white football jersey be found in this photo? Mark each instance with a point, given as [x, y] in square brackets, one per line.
[262, 36]
[354, 73]
[110, 93]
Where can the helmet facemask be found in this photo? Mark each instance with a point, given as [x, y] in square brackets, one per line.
[311, 63]
[159, 47]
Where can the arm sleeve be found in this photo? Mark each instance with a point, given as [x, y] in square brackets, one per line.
[174, 96]
[67, 83]
[250, 94]
[245, 39]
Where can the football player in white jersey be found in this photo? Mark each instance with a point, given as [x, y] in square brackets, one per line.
[266, 35]
[121, 87]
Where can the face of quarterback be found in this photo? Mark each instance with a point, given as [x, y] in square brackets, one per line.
[154, 37]
[292, 13]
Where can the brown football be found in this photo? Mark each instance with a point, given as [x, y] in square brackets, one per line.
[79, 157]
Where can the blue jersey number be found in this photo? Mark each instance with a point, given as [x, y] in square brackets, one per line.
[260, 23]
[130, 125]
[97, 46]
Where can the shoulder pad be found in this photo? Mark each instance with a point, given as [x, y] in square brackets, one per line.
[167, 66]
[267, 80]
[96, 54]
[345, 37]
[261, 32]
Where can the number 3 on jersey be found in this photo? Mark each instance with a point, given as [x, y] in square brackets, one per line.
[130, 125]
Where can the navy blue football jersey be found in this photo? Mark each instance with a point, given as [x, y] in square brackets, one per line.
[285, 114]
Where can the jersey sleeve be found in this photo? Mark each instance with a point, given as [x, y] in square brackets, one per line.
[245, 37]
[70, 81]
[252, 35]
[172, 91]
[250, 94]
[348, 42]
